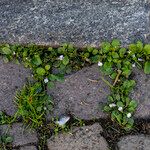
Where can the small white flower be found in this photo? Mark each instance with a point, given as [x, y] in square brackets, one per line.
[61, 57]
[45, 80]
[63, 120]
[120, 108]
[14, 53]
[133, 65]
[129, 115]
[100, 64]
[129, 52]
[112, 105]
[133, 55]
[45, 108]
[140, 59]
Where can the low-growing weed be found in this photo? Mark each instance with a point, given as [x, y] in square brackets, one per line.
[5, 142]
[51, 64]
[33, 104]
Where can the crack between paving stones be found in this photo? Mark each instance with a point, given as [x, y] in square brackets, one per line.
[111, 131]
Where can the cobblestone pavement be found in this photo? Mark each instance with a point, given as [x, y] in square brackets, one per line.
[80, 22]
[66, 99]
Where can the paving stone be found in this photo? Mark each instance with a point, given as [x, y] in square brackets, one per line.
[148, 10]
[141, 94]
[21, 136]
[80, 96]
[12, 78]
[134, 142]
[28, 148]
[79, 22]
[80, 138]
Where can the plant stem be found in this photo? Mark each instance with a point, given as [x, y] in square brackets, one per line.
[117, 77]
[107, 82]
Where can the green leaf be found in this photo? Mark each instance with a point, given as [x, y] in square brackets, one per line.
[133, 104]
[56, 64]
[130, 121]
[39, 108]
[147, 49]
[118, 64]
[113, 75]
[118, 97]
[115, 43]
[105, 47]
[126, 72]
[109, 58]
[122, 52]
[95, 51]
[107, 68]
[65, 60]
[60, 78]
[37, 60]
[133, 48]
[52, 77]
[90, 49]
[120, 104]
[8, 139]
[127, 63]
[40, 71]
[95, 58]
[60, 50]
[47, 67]
[117, 116]
[25, 54]
[62, 67]
[50, 85]
[50, 49]
[107, 108]
[115, 55]
[70, 48]
[147, 67]
[6, 50]
[125, 120]
[129, 124]
[131, 109]
[110, 98]
[65, 45]
[139, 45]
[68, 69]
[128, 84]
[86, 55]
[127, 100]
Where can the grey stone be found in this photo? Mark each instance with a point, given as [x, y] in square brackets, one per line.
[80, 96]
[21, 135]
[28, 148]
[134, 142]
[80, 138]
[141, 93]
[80, 22]
[12, 77]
